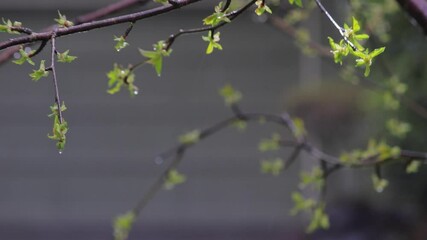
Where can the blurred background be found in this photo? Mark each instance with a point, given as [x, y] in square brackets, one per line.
[108, 162]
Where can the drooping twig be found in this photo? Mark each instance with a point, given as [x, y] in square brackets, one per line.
[55, 80]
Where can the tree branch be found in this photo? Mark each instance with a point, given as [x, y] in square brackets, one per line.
[97, 14]
[133, 17]
[416, 9]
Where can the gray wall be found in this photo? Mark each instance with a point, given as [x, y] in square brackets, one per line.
[108, 161]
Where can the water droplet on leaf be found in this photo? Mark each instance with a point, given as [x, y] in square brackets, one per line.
[135, 92]
[27, 49]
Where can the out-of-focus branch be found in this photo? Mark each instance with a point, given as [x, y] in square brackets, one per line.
[284, 26]
[300, 143]
[416, 9]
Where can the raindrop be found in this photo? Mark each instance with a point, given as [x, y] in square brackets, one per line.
[16, 55]
[158, 160]
[122, 72]
[28, 49]
[60, 151]
[135, 92]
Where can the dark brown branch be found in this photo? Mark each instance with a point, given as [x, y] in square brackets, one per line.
[416, 9]
[39, 49]
[22, 30]
[100, 13]
[133, 17]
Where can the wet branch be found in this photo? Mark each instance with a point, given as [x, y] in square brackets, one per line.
[5, 55]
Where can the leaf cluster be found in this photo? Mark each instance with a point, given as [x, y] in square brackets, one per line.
[173, 178]
[155, 57]
[8, 26]
[60, 128]
[122, 225]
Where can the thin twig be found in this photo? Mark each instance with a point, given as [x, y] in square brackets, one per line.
[337, 26]
[55, 81]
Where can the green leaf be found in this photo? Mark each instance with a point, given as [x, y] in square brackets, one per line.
[262, 7]
[376, 52]
[120, 77]
[296, 2]
[65, 58]
[24, 57]
[190, 137]
[122, 225]
[314, 178]
[173, 178]
[230, 95]
[213, 42]
[339, 50]
[62, 21]
[270, 144]
[390, 102]
[121, 43]
[59, 129]
[301, 204]
[155, 57]
[241, 125]
[379, 183]
[273, 167]
[8, 26]
[299, 131]
[413, 166]
[41, 72]
[217, 17]
[319, 219]
[164, 2]
[397, 128]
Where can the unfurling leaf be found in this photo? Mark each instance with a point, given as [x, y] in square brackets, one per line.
[379, 183]
[121, 43]
[155, 57]
[270, 144]
[10, 27]
[262, 7]
[213, 42]
[122, 225]
[60, 128]
[217, 17]
[273, 167]
[173, 178]
[190, 137]
[39, 73]
[296, 2]
[413, 166]
[230, 95]
[119, 77]
[62, 21]
[24, 57]
[65, 58]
